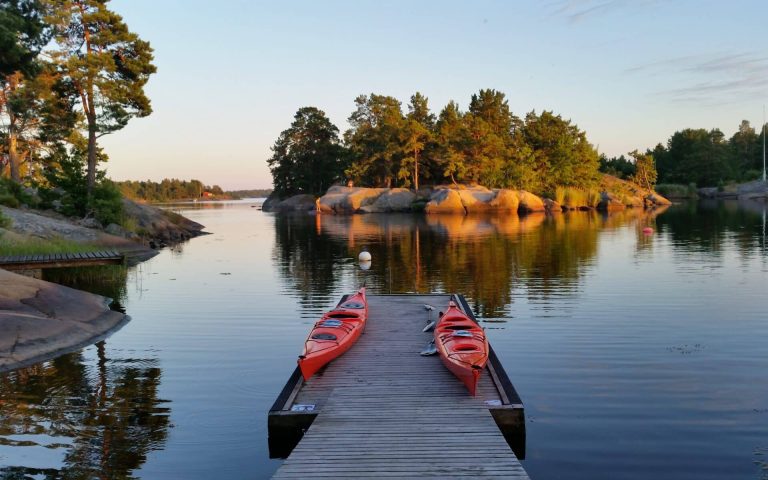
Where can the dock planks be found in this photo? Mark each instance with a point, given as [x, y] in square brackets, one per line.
[61, 260]
[384, 411]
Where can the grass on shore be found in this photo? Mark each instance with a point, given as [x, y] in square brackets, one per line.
[5, 222]
[25, 246]
[572, 197]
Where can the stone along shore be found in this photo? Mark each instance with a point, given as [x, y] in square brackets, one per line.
[614, 194]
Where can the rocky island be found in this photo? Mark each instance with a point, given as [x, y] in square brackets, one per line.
[612, 194]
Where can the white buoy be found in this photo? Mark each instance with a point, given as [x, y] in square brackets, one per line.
[364, 256]
[365, 265]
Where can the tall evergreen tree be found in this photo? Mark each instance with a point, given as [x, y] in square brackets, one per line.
[490, 125]
[307, 157]
[375, 140]
[418, 133]
[107, 65]
[452, 142]
[22, 36]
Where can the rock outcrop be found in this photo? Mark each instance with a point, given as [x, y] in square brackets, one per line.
[340, 199]
[472, 199]
[505, 200]
[530, 203]
[609, 203]
[40, 320]
[463, 199]
[653, 199]
[552, 206]
[621, 192]
[392, 200]
[476, 198]
[29, 224]
[445, 200]
[159, 225]
[755, 189]
[151, 224]
[296, 203]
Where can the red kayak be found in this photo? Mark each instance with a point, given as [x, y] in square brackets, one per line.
[334, 334]
[462, 346]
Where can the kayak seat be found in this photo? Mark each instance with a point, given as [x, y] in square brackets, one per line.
[323, 336]
[330, 323]
[465, 347]
[352, 305]
[462, 333]
[351, 316]
[459, 326]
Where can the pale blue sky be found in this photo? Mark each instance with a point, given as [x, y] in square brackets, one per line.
[232, 73]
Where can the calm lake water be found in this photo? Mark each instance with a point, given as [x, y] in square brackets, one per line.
[636, 356]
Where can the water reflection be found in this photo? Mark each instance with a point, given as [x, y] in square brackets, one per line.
[108, 281]
[708, 226]
[605, 330]
[75, 418]
[485, 257]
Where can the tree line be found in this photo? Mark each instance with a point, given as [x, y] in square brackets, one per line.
[71, 72]
[702, 157]
[166, 190]
[387, 147]
[487, 144]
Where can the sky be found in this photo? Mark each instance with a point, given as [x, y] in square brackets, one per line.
[232, 73]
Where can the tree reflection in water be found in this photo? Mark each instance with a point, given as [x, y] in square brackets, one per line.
[108, 281]
[105, 415]
[484, 257]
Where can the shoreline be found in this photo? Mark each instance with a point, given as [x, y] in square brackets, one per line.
[611, 194]
[41, 320]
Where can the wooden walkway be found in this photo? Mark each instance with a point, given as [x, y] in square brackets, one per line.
[387, 412]
[60, 260]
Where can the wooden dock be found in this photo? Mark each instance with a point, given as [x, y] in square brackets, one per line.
[61, 260]
[383, 411]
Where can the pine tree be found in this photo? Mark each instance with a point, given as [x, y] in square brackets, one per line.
[107, 65]
[375, 140]
[307, 157]
[418, 133]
